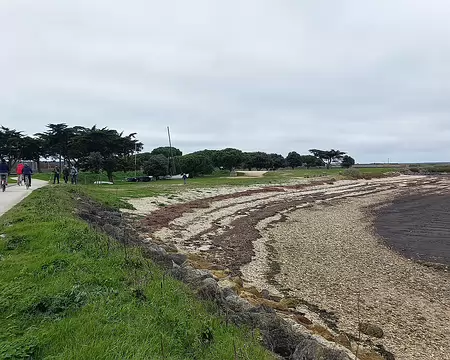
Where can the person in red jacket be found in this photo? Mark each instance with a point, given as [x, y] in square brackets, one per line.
[19, 172]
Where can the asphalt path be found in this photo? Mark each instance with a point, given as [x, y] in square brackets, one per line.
[14, 194]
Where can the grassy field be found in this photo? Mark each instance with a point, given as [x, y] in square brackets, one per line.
[113, 195]
[69, 292]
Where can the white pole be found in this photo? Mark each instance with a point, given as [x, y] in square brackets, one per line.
[135, 160]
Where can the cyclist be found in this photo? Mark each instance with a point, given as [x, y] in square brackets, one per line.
[19, 172]
[27, 172]
[4, 171]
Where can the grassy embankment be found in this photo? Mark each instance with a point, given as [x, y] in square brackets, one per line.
[69, 292]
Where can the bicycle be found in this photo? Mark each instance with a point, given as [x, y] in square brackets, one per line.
[3, 182]
[27, 182]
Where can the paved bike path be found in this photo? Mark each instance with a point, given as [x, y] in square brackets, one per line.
[15, 194]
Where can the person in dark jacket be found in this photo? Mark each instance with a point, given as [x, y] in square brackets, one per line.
[27, 172]
[66, 172]
[56, 174]
[4, 170]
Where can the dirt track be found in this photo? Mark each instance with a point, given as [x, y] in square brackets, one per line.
[317, 243]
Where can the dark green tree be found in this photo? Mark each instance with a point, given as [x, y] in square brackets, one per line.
[33, 149]
[170, 153]
[195, 165]
[228, 158]
[126, 163]
[94, 162]
[110, 164]
[261, 160]
[311, 161]
[56, 140]
[142, 158]
[347, 161]
[11, 147]
[105, 141]
[277, 161]
[294, 159]
[211, 154]
[166, 151]
[328, 156]
[156, 165]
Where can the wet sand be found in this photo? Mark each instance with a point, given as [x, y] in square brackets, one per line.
[418, 227]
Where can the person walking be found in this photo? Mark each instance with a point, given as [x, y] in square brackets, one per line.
[66, 172]
[185, 179]
[19, 172]
[74, 175]
[56, 174]
[4, 171]
[27, 172]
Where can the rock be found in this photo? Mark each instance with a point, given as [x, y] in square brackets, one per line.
[238, 280]
[302, 320]
[252, 290]
[268, 303]
[208, 289]
[278, 335]
[226, 291]
[290, 302]
[344, 340]
[219, 274]
[177, 258]
[265, 294]
[387, 355]
[367, 354]
[227, 283]
[313, 348]
[275, 298]
[153, 250]
[189, 275]
[322, 331]
[247, 295]
[236, 304]
[169, 247]
[217, 267]
[371, 330]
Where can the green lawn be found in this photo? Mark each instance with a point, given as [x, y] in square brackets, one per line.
[68, 292]
[114, 195]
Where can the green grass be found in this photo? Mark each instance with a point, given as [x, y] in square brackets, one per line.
[115, 195]
[68, 292]
[301, 173]
[86, 178]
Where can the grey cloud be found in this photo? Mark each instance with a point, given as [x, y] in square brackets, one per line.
[370, 78]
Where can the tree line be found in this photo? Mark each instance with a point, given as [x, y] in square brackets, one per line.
[103, 149]
[164, 160]
[94, 149]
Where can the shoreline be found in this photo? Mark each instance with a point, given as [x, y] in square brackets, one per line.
[317, 243]
[336, 265]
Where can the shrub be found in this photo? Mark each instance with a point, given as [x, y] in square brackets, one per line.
[352, 174]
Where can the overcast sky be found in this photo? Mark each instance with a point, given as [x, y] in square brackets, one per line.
[368, 77]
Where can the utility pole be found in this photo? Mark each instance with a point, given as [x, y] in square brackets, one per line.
[135, 159]
[170, 152]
